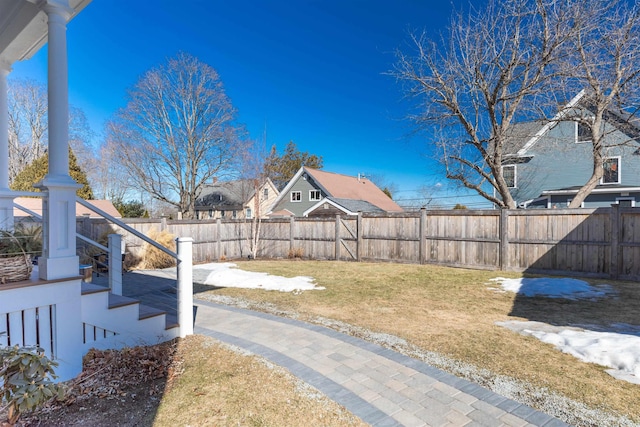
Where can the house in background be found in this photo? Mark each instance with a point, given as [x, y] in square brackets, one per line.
[235, 200]
[545, 164]
[312, 192]
[35, 205]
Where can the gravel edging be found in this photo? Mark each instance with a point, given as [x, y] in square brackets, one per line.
[551, 403]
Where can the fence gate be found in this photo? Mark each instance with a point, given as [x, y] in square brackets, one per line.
[346, 238]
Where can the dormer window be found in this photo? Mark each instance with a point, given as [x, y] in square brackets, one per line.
[265, 193]
[583, 133]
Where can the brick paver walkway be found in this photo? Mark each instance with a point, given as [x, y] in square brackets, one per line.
[382, 387]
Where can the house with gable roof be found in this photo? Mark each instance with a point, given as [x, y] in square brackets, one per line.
[313, 193]
[236, 200]
[546, 163]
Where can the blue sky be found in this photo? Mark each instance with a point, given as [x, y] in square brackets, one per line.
[310, 71]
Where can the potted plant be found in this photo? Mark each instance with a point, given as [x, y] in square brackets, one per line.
[17, 246]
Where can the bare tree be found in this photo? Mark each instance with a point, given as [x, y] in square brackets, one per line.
[109, 177]
[602, 59]
[177, 132]
[28, 126]
[254, 172]
[490, 71]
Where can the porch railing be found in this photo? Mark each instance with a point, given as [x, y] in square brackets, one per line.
[183, 257]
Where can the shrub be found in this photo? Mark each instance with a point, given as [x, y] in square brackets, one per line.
[152, 257]
[295, 253]
[23, 239]
[26, 375]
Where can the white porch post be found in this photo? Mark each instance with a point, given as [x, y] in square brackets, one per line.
[6, 199]
[59, 259]
[184, 246]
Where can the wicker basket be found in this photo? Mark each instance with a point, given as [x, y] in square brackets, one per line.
[15, 268]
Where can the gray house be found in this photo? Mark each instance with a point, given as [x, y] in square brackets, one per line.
[546, 163]
[235, 200]
[312, 192]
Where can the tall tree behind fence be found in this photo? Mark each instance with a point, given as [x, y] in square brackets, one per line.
[602, 242]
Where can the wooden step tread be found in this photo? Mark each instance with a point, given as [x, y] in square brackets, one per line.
[145, 312]
[116, 301]
[90, 288]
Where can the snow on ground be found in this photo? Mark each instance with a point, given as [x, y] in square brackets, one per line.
[617, 348]
[227, 275]
[618, 351]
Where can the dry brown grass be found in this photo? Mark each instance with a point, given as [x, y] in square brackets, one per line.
[154, 258]
[451, 311]
[218, 387]
[192, 381]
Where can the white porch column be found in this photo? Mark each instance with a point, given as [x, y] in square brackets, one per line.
[184, 246]
[59, 259]
[6, 199]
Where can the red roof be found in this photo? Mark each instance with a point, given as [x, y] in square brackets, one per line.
[349, 187]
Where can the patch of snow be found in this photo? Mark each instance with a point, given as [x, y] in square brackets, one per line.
[566, 288]
[618, 351]
[227, 275]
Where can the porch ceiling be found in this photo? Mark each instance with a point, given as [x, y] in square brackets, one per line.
[23, 27]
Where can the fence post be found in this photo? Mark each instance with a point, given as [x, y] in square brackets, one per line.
[337, 238]
[219, 237]
[184, 246]
[292, 228]
[423, 230]
[115, 263]
[504, 238]
[614, 218]
[163, 223]
[86, 231]
[359, 239]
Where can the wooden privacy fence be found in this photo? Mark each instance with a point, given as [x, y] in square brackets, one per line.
[603, 242]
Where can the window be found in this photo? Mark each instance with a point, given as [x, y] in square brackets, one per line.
[611, 171]
[296, 196]
[265, 193]
[234, 214]
[509, 175]
[249, 213]
[583, 132]
[314, 195]
[626, 202]
[221, 214]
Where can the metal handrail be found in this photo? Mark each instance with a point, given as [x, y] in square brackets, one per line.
[39, 217]
[127, 228]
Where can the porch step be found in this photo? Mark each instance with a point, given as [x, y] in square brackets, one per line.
[116, 301]
[171, 321]
[90, 288]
